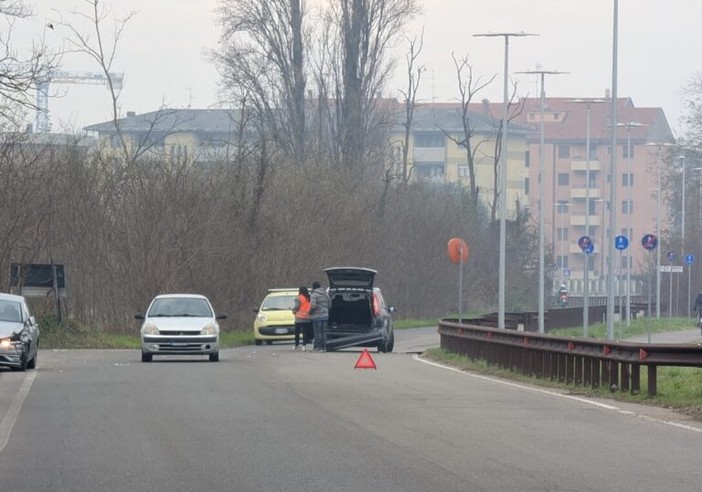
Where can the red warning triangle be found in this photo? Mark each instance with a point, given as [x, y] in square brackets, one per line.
[365, 361]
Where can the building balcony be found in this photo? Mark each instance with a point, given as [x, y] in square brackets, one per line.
[578, 219]
[580, 164]
[580, 192]
[429, 154]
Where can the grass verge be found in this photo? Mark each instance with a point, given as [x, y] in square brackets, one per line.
[679, 388]
[638, 326]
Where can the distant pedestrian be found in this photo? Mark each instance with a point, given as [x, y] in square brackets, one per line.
[319, 314]
[698, 304]
[303, 324]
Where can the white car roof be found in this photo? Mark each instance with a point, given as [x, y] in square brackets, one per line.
[11, 297]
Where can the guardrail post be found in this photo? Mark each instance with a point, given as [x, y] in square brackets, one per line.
[635, 379]
[596, 366]
[578, 370]
[587, 371]
[652, 380]
[570, 368]
[613, 375]
[561, 367]
[625, 376]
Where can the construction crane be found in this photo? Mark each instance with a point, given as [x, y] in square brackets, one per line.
[42, 103]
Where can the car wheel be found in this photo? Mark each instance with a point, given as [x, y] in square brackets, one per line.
[391, 343]
[258, 342]
[214, 357]
[269, 342]
[32, 364]
[146, 357]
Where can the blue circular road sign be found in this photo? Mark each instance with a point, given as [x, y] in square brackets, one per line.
[584, 242]
[649, 242]
[621, 242]
[689, 259]
[590, 249]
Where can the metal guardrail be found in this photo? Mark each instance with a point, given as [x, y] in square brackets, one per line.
[580, 361]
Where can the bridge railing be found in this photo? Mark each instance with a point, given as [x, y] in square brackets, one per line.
[573, 360]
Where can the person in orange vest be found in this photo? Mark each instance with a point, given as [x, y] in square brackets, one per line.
[303, 324]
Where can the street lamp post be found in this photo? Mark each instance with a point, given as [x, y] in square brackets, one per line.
[503, 174]
[542, 272]
[613, 187]
[586, 273]
[629, 182]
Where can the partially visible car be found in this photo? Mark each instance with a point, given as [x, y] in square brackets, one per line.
[275, 320]
[19, 334]
[180, 324]
[359, 315]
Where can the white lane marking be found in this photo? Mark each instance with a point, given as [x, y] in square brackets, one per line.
[562, 395]
[8, 422]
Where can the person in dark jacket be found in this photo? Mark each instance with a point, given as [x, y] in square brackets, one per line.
[698, 304]
[319, 314]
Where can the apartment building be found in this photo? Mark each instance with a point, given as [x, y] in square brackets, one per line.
[577, 185]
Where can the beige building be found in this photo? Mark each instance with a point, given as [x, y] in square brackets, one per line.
[435, 151]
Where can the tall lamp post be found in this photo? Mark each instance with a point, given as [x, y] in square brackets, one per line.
[503, 174]
[586, 273]
[542, 272]
[613, 184]
[629, 183]
[682, 229]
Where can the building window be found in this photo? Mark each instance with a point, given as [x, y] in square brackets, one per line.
[562, 233]
[562, 261]
[463, 171]
[563, 179]
[628, 179]
[429, 170]
[527, 159]
[593, 151]
[562, 207]
[563, 151]
[628, 207]
[429, 140]
[625, 151]
[526, 186]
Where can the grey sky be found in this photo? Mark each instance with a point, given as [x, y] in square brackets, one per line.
[162, 51]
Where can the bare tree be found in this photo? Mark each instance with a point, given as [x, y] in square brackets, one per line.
[20, 69]
[468, 86]
[515, 106]
[366, 29]
[414, 77]
[262, 55]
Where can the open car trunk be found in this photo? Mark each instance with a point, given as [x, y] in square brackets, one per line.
[351, 321]
[350, 313]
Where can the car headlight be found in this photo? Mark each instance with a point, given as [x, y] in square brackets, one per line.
[5, 343]
[209, 330]
[261, 318]
[149, 329]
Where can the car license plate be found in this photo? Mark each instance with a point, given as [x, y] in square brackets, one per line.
[281, 331]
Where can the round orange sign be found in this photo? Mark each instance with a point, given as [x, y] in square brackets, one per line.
[457, 250]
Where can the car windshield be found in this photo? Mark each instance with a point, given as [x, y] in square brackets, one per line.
[179, 307]
[278, 303]
[10, 311]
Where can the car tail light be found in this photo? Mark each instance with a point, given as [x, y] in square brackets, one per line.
[376, 304]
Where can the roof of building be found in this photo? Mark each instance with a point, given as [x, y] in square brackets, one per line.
[448, 117]
[647, 124]
[173, 120]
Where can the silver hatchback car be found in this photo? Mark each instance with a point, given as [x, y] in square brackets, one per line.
[180, 324]
[19, 334]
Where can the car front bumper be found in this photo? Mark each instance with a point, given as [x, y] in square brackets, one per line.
[177, 344]
[275, 332]
[11, 356]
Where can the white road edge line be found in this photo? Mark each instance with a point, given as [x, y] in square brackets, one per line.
[561, 395]
[8, 422]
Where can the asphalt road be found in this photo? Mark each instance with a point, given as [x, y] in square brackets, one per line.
[270, 419]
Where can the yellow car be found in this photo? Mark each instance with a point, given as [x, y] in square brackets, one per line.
[274, 319]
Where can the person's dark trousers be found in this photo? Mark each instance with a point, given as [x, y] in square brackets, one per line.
[307, 333]
[300, 328]
[319, 326]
